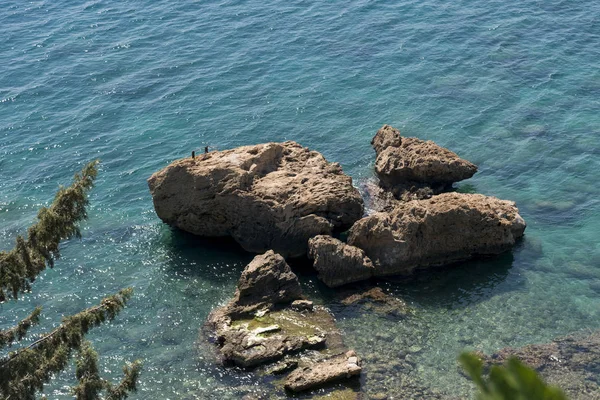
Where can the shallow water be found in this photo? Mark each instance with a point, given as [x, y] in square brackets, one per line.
[510, 85]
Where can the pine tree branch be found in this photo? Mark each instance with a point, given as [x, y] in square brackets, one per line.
[88, 374]
[21, 265]
[50, 354]
[128, 383]
[18, 332]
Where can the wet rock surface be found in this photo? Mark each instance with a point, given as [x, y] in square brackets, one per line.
[267, 325]
[338, 263]
[572, 363]
[447, 228]
[267, 196]
[315, 375]
[407, 162]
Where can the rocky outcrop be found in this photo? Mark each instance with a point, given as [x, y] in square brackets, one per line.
[446, 228]
[572, 363]
[264, 283]
[326, 371]
[267, 324]
[416, 168]
[268, 196]
[338, 263]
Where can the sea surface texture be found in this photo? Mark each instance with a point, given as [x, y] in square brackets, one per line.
[511, 85]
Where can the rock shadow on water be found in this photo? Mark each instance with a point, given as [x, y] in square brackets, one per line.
[214, 259]
[459, 284]
[456, 285]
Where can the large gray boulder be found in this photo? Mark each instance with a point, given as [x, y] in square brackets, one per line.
[338, 263]
[411, 161]
[267, 196]
[446, 228]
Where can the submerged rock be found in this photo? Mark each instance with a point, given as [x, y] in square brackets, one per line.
[268, 196]
[377, 300]
[416, 167]
[313, 376]
[447, 228]
[338, 263]
[572, 363]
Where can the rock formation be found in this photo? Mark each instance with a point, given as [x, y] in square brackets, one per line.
[268, 196]
[572, 363]
[446, 228]
[337, 262]
[265, 282]
[415, 168]
[320, 373]
[268, 322]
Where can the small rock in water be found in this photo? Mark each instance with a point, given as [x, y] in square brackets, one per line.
[282, 367]
[302, 305]
[322, 372]
[410, 161]
[338, 263]
[382, 303]
[415, 349]
[287, 336]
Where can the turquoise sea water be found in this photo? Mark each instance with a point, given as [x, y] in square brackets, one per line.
[513, 86]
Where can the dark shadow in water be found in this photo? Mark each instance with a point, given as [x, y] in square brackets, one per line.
[215, 259]
[457, 285]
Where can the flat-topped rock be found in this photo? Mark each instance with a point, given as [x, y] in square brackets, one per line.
[267, 196]
[313, 376]
[447, 228]
[338, 263]
[414, 162]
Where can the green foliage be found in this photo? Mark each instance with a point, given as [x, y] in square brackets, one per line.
[24, 372]
[91, 384]
[514, 381]
[21, 265]
[18, 332]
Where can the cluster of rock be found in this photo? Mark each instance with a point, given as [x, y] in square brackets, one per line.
[417, 229]
[268, 324]
[289, 201]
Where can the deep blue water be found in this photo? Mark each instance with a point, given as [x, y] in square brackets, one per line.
[513, 86]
